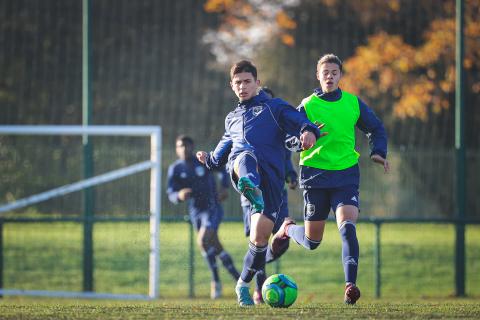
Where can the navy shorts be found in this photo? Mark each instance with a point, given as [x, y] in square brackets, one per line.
[282, 214]
[209, 219]
[318, 202]
[271, 192]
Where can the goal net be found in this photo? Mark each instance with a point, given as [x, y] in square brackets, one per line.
[80, 211]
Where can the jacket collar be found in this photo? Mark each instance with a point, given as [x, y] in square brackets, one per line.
[328, 96]
[255, 100]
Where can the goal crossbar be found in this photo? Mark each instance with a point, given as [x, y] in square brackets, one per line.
[96, 130]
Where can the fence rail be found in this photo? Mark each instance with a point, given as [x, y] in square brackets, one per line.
[377, 244]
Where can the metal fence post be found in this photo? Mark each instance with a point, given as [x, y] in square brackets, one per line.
[460, 259]
[1, 256]
[377, 260]
[460, 176]
[191, 255]
[88, 194]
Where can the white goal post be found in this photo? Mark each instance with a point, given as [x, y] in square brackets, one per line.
[153, 164]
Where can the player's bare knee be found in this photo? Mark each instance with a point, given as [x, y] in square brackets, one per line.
[318, 237]
[259, 239]
[259, 242]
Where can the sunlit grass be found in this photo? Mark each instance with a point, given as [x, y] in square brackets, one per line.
[417, 260]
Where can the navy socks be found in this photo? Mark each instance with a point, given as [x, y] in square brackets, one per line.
[209, 256]
[350, 250]
[350, 247]
[253, 261]
[260, 278]
[228, 264]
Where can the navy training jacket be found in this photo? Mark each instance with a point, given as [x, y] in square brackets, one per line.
[259, 125]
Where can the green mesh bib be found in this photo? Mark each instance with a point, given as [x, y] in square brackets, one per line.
[335, 151]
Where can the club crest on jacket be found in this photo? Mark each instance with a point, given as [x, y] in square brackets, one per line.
[256, 110]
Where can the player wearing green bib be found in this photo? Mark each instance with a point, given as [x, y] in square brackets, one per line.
[329, 172]
[335, 151]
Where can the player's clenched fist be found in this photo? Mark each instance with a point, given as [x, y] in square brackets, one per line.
[307, 139]
[201, 156]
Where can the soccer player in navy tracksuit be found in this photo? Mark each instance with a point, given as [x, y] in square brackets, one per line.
[291, 179]
[329, 172]
[188, 180]
[253, 146]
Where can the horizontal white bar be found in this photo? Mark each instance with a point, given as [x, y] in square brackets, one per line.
[69, 188]
[67, 294]
[97, 130]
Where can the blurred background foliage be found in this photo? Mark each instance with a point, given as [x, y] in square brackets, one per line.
[166, 63]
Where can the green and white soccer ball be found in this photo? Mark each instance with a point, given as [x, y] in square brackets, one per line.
[279, 291]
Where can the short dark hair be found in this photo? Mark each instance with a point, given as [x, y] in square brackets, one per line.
[269, 91]
[243, 66]
[330, 58]
[185, 139]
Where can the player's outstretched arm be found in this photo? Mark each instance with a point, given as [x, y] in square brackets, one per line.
[219, 156]
[295, 123]
[381, 160]
[371, 125]
[294, 144]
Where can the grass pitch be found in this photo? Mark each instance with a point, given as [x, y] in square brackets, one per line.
[417, 273]
[26, 308]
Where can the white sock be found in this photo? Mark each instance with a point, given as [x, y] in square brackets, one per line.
[241, 283]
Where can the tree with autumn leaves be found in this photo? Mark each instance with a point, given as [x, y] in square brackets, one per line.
[405, 80]
[420, 79]
[399, 56]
